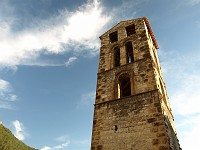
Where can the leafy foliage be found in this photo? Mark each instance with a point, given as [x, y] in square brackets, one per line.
[9, 142]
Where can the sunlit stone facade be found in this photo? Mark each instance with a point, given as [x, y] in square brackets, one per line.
[131, 110]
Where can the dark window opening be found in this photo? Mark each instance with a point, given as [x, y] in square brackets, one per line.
[113, 37]
[129, 52]
[116, 57]
[124, 86]
[116, 128]
[130, 30]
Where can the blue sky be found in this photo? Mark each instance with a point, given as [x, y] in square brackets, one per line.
[49, 58]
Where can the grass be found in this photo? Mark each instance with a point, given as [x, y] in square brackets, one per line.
[9, 142]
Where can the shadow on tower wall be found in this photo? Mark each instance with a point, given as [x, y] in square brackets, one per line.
[174, 142]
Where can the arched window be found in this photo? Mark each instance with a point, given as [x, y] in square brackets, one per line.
[129, 52]
[124, 86]
[116, 56]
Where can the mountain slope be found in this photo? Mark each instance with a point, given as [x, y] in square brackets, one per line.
[9, 142]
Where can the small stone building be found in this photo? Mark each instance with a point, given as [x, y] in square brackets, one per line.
[132, 110]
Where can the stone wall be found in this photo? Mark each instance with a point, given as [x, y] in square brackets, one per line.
[142, 79]
[132, 123]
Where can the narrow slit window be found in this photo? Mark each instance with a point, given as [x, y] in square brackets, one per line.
[116, 56]
[130, 30]
[116, 128]
[129, 52]
[113, 37]
[124, 86]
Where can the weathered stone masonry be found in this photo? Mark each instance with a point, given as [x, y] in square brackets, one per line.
[132, 110]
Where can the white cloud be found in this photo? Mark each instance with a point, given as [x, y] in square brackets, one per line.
[46, 148]
[187, 131]
[70, 61]
[185, 100]
[19, 130]
[62, 138]
[13, 97]
[87, 99]
[190, 140]
[4, 86]
[61, 146]
[188, 121]
[6, 95]
[5, 105]
[75, 31]
[182, 74]
[185, 104]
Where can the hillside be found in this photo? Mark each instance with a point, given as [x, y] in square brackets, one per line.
[9, 142]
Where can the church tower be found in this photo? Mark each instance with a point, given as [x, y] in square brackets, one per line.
[132, 110]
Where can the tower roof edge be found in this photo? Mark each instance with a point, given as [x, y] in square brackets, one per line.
[148, 27]
[151, 32]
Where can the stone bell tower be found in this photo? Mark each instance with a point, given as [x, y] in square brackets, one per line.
[131, 110]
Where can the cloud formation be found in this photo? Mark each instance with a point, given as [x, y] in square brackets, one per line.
[70, 61]
[186, 98]
[63, 139]
[18, 130]
[6, 95]
[61, 146]
[184, 77]
[191, 141]
[87, 99]
[75, 31]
